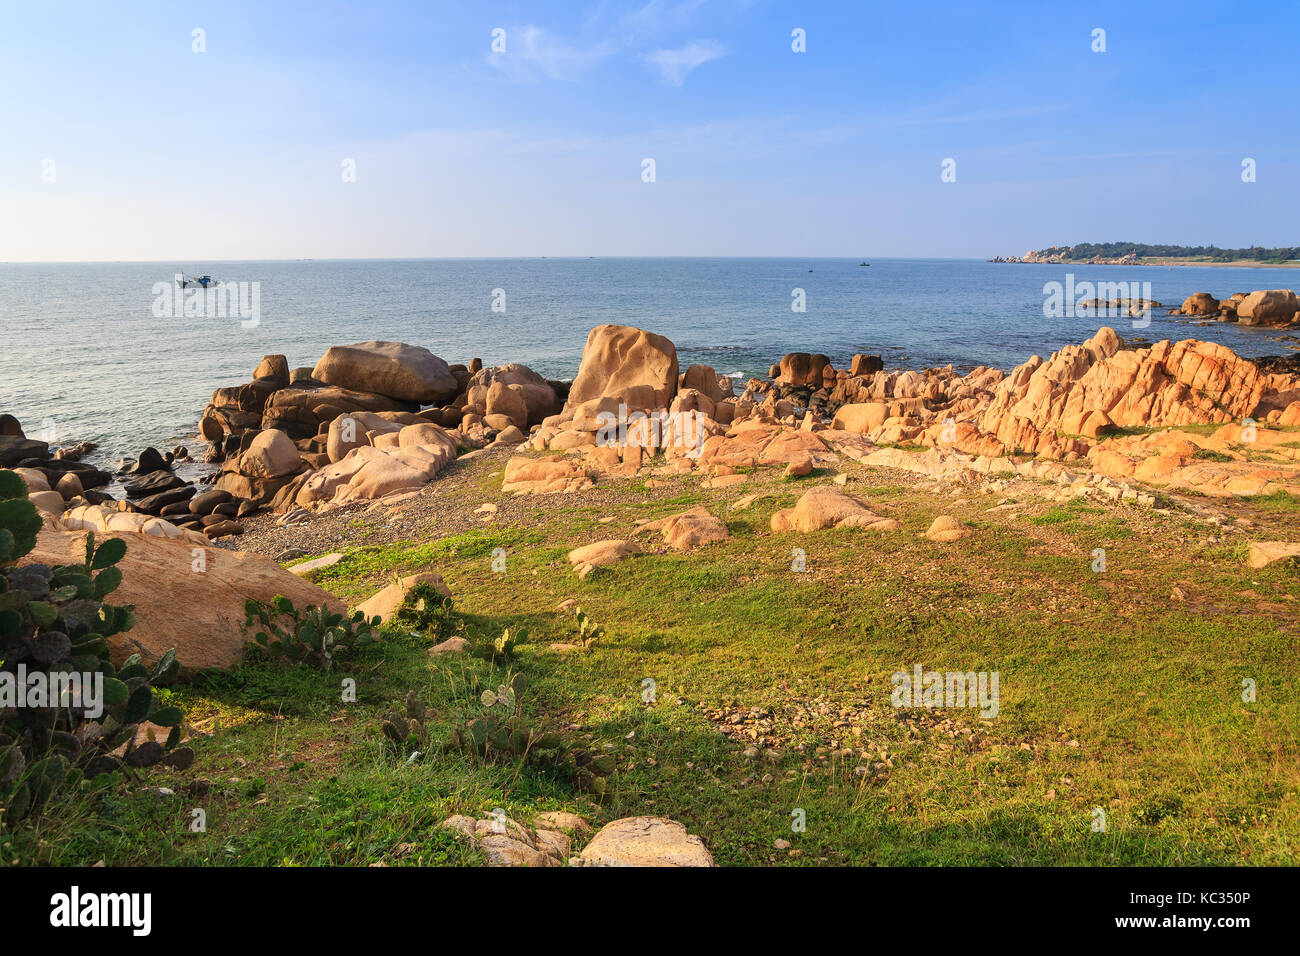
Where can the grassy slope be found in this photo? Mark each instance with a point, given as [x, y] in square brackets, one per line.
[1113, 695]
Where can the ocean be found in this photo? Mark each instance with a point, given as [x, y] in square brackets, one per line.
[89, 351]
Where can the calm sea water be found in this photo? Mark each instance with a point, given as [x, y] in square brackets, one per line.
[81, 348]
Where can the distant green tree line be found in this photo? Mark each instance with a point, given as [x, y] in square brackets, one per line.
[1115, 250]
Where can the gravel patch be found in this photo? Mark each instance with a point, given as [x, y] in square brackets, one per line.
[447, 506]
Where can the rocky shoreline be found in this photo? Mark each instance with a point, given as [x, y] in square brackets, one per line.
[380, 420]
[385, 442]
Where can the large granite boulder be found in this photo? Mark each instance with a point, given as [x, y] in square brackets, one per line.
[272, 454]
[273, 368]
[507, 400]
[1200, 303]
[824, 507]
[108, 521]
[16, 448]
[645, 841]
[299, 411]
[801, 368]
[407, 461]
[538, 396]
[405, 372]
[355, 429]
[1268, 307]
[689, 529]
[634, 365]
[860, 417]
[547, 475]
[200, 613]
[704, 380]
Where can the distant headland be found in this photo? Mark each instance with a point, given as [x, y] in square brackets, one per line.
[1142, 254]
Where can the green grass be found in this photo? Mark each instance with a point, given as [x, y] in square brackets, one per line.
[1278, 503]
[1124, 431]
[1114, 695]
[1081, 517]
[1206, 454]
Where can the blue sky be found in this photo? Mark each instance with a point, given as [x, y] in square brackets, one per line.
[162, 153]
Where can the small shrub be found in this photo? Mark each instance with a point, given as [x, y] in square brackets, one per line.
[1156, 809]
[428, 610]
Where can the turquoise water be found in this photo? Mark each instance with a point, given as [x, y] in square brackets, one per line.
[81, 348]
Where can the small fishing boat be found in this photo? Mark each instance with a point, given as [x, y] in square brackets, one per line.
[864, 263]
[197, 282]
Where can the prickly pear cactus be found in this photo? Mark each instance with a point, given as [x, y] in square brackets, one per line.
[501, 734]
[310, 635]
[501, 649]
[405, 730]
[589, 632]
[54, 625]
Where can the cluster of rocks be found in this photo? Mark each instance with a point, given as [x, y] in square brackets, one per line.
[70, 494]
[152, 487]
[630, 407]
[368, 421]
[1088, 389]
[52, 479]
[1057, 408]
[1271, 308]
[1057, 255]
[379, 419]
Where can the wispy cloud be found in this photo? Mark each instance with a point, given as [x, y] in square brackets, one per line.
[533, 52]
[676, 65]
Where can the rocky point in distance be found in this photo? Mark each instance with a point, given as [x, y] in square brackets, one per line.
[1139, 253]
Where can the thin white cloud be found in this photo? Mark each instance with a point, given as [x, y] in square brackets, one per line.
[676, 65]
[533, 52]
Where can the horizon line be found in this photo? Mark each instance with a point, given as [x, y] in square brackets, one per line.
[494, 258]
